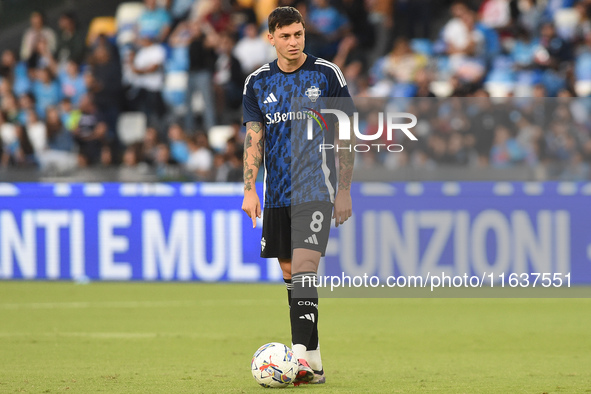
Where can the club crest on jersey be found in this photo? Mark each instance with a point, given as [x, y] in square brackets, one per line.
[313, 93]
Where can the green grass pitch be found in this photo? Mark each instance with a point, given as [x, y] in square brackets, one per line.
[199, 338]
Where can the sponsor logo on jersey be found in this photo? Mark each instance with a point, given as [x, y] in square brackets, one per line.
[278, 117]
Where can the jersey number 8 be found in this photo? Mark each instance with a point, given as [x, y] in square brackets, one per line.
[316, 224]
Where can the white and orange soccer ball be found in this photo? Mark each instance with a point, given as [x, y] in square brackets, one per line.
[274, 365]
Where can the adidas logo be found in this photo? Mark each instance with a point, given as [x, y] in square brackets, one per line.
[270, 99]
[263, 244]
[308, 316]
[312, 240]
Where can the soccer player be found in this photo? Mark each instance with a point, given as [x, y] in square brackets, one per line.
[301, 192]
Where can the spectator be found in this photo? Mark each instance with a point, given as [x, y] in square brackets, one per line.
[495, 14]
[71, 43]
[252, 51]
[8, 65]
[46, 90]
[200, 160]
[469, 45]
[42, 57]
[165, 165]
[530, 15]
[58, 138]
[154, 23]
[202, 59]
[218, 17]
[17, 151]
[553, 50]
[147, 66]
[72, 82]
[357, 13]
[10, 107]
[132, 166]
[524, 50]
[26, 103]
[325, 28]
[228, 78]
[89, 133]
[149, 146]
[179, 151]
[68, 116]
[14, 72]
[36, 132]
[457, 154]
[36, 32]
[179, 11]
[506, 151]
[104, 81]
[8, 138]
[402, 64]
[577, 170]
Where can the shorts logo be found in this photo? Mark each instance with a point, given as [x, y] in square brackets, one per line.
[263, 244]
[312, 240]
[313, 93]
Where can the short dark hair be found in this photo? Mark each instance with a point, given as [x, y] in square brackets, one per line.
[284, 16]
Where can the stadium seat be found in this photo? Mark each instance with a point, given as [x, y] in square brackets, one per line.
[105, 25]
[128, 13]
[131, 127]
[126, 16]
[218, 137]
[565, 20]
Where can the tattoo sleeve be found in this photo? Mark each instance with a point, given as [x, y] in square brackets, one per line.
[346, 155]
[253, 153]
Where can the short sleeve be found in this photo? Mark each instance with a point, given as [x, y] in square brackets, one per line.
[251, 111]
[339, 92]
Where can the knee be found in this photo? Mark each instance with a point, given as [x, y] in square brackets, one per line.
[305, 266]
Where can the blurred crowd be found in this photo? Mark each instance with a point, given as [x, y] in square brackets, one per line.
[182, 65]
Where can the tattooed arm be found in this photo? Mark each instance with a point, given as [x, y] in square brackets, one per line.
[343, 206]
[253, 158]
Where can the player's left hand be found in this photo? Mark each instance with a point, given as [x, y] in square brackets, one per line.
[343, 208]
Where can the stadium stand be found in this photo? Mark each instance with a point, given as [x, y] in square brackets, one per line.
[474, 48]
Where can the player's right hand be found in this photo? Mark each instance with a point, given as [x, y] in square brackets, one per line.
[252, 206]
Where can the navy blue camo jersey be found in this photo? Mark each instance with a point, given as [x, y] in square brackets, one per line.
[296, 170]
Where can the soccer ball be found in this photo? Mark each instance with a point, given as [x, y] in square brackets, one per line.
[274, 365]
